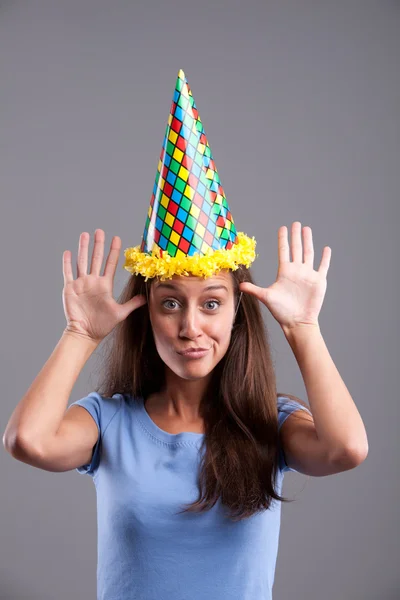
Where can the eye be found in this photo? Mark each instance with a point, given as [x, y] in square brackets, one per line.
[164, 304]
[214, 302]
[169, 300]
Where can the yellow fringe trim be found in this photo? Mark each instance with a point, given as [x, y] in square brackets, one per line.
[160, 264]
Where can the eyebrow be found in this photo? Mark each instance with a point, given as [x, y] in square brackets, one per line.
[171, 286]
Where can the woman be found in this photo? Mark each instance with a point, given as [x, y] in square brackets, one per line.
[145, 460]
[186, 438]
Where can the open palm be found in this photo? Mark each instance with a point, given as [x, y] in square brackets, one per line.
[296, 297]
[89, 305]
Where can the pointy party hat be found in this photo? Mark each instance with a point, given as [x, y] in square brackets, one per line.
[189, 228]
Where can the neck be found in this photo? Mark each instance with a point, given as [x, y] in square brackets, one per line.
[179, 399]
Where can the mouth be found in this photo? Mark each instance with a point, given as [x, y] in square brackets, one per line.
[194, 353]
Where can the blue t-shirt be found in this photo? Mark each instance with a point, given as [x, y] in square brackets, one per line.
[143, 475]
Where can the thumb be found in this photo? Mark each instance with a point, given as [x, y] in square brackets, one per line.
[132, 304]
[252, 289]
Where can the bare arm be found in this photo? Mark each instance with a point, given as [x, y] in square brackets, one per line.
[38, 431]
[39, 414]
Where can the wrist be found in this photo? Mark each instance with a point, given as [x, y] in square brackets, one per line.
[300, 329]
[81, 337]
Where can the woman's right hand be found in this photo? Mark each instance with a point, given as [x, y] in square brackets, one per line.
[89, 306]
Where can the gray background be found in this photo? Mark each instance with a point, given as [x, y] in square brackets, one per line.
[300, 102]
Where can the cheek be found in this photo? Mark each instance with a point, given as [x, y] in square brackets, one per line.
[220, 328]
[219, 331]
[164, 329]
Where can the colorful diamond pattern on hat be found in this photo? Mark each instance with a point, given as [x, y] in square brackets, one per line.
[188, 210]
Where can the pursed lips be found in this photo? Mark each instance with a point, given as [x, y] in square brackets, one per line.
[193, 350]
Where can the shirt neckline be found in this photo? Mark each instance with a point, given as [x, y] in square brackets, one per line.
[171, 438]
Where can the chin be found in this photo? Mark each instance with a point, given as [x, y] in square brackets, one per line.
[191, 371]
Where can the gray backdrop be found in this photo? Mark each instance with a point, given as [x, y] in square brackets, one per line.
[300, 102]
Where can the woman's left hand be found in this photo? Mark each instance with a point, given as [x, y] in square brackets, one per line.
[297, 295]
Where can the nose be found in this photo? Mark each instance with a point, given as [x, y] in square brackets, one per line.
[191, 323]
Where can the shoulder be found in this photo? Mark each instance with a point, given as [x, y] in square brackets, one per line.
[288, 404]
[102, 408]
[289, 398]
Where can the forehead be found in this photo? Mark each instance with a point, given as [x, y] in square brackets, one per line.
[191, 284]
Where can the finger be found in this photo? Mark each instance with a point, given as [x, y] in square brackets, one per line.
[308, 247]
[81, 264]
[67, 267]
[297, 248]
[134, 303]
[283, 245]
[112, 259]
[250, 288]
[325, 260]
[98, 252]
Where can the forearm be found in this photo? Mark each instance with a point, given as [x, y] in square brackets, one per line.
[337, 420]
[41, 410]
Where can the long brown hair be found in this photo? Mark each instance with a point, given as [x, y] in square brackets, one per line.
[239, 408]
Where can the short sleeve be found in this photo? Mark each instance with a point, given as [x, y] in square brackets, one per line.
[286, 406]
[102, 410]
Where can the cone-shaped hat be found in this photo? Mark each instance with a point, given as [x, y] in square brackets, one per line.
[189, 228]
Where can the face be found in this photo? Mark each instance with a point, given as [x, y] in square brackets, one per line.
[192, 312]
